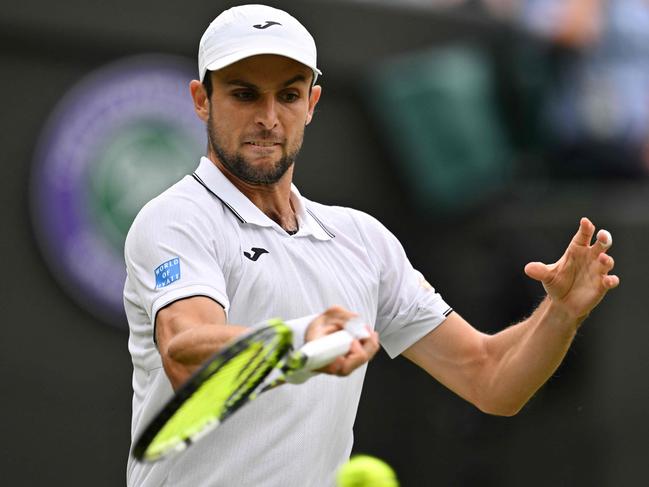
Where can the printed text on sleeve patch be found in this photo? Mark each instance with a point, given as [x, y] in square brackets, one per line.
[167, 273]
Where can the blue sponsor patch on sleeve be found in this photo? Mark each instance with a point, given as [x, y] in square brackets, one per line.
[167, 273]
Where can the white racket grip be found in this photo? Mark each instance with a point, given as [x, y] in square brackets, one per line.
[325, 350]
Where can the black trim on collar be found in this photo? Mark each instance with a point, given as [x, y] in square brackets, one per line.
[202, 183]
[320, 223]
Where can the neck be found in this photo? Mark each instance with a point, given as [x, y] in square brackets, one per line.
[274, 200]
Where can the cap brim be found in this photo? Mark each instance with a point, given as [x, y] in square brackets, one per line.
[246, 53]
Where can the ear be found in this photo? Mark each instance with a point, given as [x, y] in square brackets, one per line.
[316, 91]
[201, 102]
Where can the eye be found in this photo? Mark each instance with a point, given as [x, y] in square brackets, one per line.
[244, 95]
[290, 97]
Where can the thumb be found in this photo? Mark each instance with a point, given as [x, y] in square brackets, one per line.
[538, 271]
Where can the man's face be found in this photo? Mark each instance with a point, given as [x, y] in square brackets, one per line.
[257, 114]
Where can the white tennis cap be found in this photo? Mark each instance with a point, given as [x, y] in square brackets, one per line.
[249, 30]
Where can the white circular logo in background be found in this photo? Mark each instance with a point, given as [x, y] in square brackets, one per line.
[118, 138]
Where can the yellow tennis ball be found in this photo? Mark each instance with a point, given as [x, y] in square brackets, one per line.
[366, 471]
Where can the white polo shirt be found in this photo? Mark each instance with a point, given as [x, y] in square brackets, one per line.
[204, 237]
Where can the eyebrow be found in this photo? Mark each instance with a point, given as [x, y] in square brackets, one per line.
[246, 84]
[295, 79]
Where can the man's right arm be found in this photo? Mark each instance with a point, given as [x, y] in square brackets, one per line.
[188, 332]
[191, 330]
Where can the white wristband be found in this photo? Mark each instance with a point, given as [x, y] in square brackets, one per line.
[299, 326]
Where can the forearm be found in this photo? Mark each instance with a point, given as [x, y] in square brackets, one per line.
[195, 345]
[189, 349]
[499, 373]
[190, 331]
[524, 356]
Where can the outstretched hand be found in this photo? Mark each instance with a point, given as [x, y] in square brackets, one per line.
[580, 278]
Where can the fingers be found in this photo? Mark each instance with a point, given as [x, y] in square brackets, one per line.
[332, 320]
[610, 282]
[606, 263]
[603, 242]
[361, 352]
[337, 315]
[604, 238]
[584, 235]
[338, 312]
[538, 271]
[580, 277]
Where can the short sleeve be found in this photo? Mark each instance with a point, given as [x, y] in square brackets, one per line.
[408, 306]
[173, 252]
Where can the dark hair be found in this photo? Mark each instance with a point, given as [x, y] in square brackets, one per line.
[207, 84]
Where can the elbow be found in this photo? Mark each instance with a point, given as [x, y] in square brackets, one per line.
[494, 395]
[176, 371]
[490, 397]
[177, 375]
[506, 407]
[177, 380]
[500, 410]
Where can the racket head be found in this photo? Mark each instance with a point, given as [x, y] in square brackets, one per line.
[221, 386]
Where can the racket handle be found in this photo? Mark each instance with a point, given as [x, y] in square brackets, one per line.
[325, 350]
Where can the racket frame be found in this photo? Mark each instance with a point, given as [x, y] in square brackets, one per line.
[275, 329]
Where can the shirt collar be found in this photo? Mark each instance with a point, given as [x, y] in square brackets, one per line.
[210, 176]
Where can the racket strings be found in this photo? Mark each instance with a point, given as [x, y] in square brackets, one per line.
[259, 369]
[227, 381]
[205, 405]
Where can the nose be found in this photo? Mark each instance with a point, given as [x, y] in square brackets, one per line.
[266, 116]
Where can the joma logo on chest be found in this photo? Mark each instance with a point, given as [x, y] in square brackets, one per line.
[255, 253]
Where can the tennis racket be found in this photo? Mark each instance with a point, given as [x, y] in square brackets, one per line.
[234, 376]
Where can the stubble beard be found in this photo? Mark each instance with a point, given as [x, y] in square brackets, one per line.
[242, 169]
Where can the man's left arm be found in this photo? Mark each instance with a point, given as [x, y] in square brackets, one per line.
[499, 373]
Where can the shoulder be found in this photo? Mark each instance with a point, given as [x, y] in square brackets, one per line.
[185, 207]
[183, 201]
[344, 219]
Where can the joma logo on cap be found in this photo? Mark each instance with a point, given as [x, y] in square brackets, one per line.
[266, 25]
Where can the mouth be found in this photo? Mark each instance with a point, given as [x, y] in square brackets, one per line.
[262, 143]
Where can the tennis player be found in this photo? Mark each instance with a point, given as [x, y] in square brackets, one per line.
[235, 243]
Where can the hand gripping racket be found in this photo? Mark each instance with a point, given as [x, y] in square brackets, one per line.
[234, 376]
